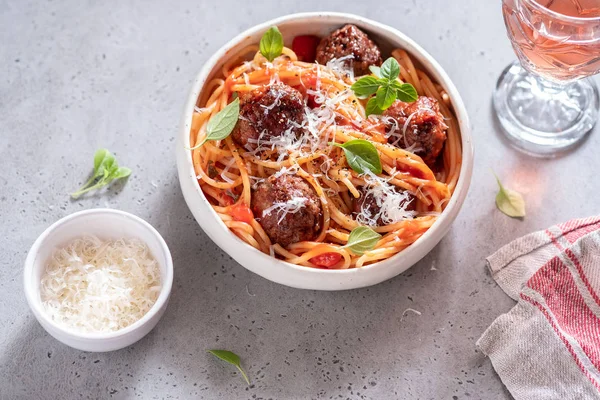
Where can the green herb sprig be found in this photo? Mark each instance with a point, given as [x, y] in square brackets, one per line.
[362, 239]
[510, 202]
[106, 170]
[271, 44]
[375, 70]
[222, 123]
[232, 359]
[362, 156]
[385, 86]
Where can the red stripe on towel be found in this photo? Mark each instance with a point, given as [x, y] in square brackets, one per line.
[582, 275]
[578, 228]
[563, 338]
[555, 283]
[583, 227]
[551, 236]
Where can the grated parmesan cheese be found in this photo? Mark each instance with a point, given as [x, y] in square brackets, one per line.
[275, 103]
[391, 204]
[340, 65]
[226, 170]
[255, 181]
[399, 135]
[93, 285]
[292, 170]
[318, 125]
[412, 310]
[284, 208]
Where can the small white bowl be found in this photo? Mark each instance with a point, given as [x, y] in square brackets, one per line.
[103, 223]
[320, 24]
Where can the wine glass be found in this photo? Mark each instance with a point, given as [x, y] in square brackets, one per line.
[546, 103]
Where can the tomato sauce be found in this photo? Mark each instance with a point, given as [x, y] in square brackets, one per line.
[412, 171]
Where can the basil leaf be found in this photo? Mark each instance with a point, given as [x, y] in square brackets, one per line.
[222, 124]
[366, 86]
[121, 172]
[110, 165]
[106, 170]
[395, 84]
[386, 95]
[372, 107]
[390, 69]
[375, 70]
[271, 44]
[362, 239]
[232, 359]
[510, 202]
[362, 156]
[100, 158]
[407, 93]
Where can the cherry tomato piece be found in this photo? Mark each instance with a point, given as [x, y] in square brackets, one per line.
[326, 260]
[242, 212]
[305, 47]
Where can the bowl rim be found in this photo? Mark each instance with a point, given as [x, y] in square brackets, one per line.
[34, 300]
[441, 224]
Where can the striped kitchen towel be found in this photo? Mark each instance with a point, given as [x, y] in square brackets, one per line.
[548, 345]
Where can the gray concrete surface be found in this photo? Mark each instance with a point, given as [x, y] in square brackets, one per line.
[78, 75]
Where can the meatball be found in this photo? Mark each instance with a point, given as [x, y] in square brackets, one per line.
[288, 209]
[367, 207]
[269, 110]
[346, 41]
[425, 132]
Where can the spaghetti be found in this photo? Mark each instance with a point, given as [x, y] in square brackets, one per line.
[228, 173]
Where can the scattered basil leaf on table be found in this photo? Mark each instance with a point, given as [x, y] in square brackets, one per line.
[232, 359]
[386, 87]
[362, 156]
[109, 164]
[106, 170]
[99, 159]
[271, 44]
[121, 172]
[510, 202]
[222, 123]
[362, 239]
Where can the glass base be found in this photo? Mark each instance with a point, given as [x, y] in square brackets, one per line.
[541, 117]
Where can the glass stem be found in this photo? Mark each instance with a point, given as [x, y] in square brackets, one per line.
[548, 87]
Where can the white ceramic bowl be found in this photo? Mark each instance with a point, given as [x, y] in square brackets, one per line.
[104, 223]
[321, 24]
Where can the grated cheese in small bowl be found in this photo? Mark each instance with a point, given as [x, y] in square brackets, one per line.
[94, 285]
